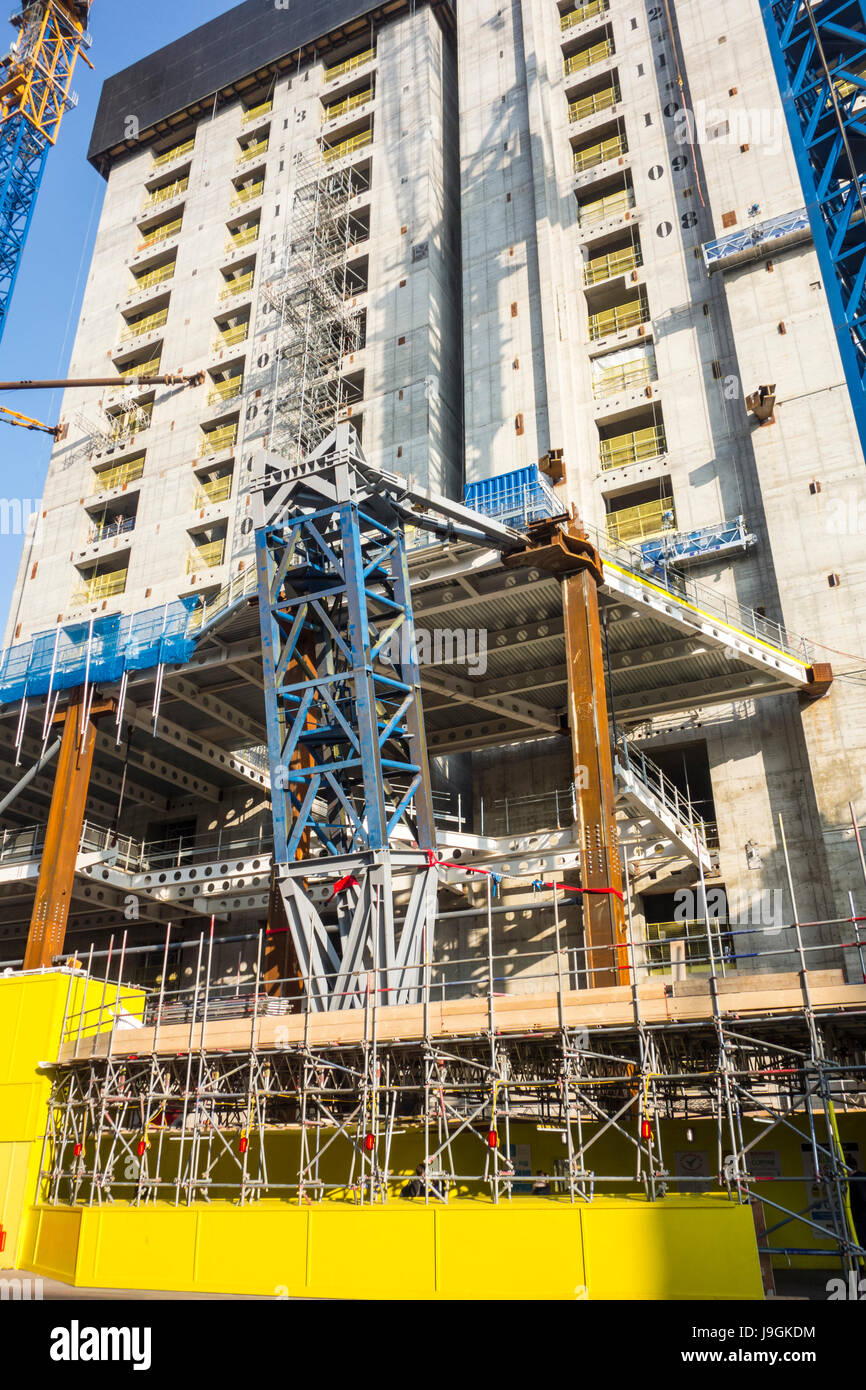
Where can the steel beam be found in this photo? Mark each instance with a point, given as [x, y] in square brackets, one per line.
[62, 834]
[570, 556]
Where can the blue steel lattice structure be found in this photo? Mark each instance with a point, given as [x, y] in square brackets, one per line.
[350, 783]
[819, 54]
[35, 91]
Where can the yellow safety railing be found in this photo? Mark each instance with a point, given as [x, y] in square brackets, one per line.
[253, 151]
[634, 447]
[609, 381]
[246, 195]
[347, 147]
[101, 586]
[120, 475]
[232, 336]
[155, 277]
[614, 205]
[239, 285]
[587, 56]
[226, 390]
[168, 229]
[616, 263]
[214, 441]
[598, 154]
[615, 320]
[242, 238]
[160, 160]
[597, 101]
[150, 368]
[216, 490]
[350, 64]
[636, 523]
[342, 108]
[694, 953]
[256, 112]
[844, 87]
[164, 195]
[147, 324]
[206, 557]
[595, 7]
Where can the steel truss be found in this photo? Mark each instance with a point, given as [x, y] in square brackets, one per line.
[35, 92]
[348, 759]
[311, 324]
[819, 53]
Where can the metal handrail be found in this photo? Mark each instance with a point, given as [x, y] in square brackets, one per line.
[330, 153]
[128, 472]
[600, 209]
[255, 112]
[647, 519]
[637, 446]
[599, 154]
[232, 336]
[107, 529]
[597, 101]
[588, 56]
[216, 440]
[164, 195]
[349, 65]
[253, 151]
[163, 233]
[622, 316]
[616, 263]
[246, 195]
[583, 12]
[239, 285]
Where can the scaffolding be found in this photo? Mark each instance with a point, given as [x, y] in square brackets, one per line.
[217, 1091]
[311, 318]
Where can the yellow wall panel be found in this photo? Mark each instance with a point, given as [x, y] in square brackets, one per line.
[530, 1251]
[680, 1248]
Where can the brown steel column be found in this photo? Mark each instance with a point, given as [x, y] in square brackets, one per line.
[62, 837]
[571, 557]
[600, 863]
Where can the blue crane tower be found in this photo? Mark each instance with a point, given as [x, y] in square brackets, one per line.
[819, 54]
[35, 92]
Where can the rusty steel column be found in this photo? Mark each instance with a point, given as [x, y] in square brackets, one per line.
[281, 969]
[571, 557]
[62, 835]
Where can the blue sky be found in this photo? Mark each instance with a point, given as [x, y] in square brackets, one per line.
[40, 330]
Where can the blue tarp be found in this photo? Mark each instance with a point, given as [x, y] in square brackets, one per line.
[66, 657]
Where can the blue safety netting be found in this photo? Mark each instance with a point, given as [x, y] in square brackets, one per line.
[100, 652]
[514, 499]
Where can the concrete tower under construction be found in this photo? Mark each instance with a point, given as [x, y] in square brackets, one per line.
[457, 598]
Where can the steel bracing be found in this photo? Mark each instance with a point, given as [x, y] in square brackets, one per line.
[35, 91]
[819, 54]
[348, 759]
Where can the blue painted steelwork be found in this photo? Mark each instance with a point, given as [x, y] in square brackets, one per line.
[342, 690]
[23, 153]
[35, 92]
[689, 547]
[757, 240]
[514, 499]
[819, 54]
